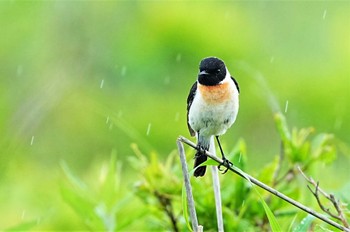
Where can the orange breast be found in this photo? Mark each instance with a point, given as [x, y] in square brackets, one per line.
[215, 94]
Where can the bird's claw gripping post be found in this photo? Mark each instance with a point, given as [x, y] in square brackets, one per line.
[225, 163]
[200, 149]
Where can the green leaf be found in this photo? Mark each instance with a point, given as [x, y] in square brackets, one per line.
[301, 153]
[282, 127]
[209, 162]
[275, 227]
[304, 224]
[323, 149]
[267, 173]
[300, 137]
[272, 219]
[80, 199]
[300, 146]
[75, 181]
[81, 204]
[110, 180]
[328, 155]
[169, 162]
[320, 141]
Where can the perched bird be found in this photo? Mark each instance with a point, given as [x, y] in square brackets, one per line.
[212, 107]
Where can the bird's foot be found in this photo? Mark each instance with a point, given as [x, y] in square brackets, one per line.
[226, 163]
[201, 150]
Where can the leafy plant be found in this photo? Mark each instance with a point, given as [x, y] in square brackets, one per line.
[243, 209]
[159, 190]
[100, 207]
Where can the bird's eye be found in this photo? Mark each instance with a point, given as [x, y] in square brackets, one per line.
[217, 70]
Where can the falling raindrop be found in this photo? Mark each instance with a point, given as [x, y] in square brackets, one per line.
[32, 141]
[178, 57]
[148, 128]
[107, 120]
[324, 14]
[102, 82]
[286, 107]
[177, 116]
[240, 157]
[123, 71]
[23, 214]
[272, 59]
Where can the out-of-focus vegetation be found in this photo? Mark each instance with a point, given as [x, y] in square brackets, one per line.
[80, 81]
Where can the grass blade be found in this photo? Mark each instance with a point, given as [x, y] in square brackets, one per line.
[272, 219]
[275, 227]
[185, 208]
[304, 224]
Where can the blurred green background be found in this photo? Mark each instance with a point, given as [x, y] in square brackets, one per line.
[79, 80]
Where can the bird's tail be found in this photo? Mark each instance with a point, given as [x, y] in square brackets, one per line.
[204, 143]
[199, 159]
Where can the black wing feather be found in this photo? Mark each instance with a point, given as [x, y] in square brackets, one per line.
[236, 83]
[189, 103]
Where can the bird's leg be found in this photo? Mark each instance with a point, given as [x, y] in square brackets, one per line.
[201, 150]
[225, 162]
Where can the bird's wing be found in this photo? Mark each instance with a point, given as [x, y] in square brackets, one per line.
[189, 103]
[236, 83]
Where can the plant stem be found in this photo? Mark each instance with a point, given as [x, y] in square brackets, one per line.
[268, 188]
[330, 197]
[216, 188]
[189, 195]
[167, 207]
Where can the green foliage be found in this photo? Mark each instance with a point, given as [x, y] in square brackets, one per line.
[79, 79]
[272, 219]
[243, 209]
[99, 207]
[275, 227]
[300, 150]
[156, 199]
[159, 188]
[305, 224]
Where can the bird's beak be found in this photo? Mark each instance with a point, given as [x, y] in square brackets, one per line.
[203, 73]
